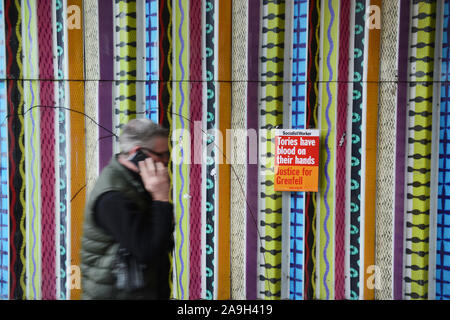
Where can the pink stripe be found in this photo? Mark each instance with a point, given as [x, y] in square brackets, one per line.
[341, 153]
[47, 117]
[195, 72]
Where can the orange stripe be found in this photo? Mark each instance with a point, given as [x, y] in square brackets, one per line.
[224, 76]
[371, 154]
[77, 137]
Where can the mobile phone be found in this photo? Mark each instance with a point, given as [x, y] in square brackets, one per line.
[137, 157]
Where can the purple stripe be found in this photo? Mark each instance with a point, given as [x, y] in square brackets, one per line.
[400, 149]
[106, 45]
[33, 158]
[252, 169]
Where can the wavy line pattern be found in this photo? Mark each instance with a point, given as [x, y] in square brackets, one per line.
[31, 162]
[4, 181]
[168, 111]
[328, 123]
[23, 192]
[312, 102]
[165, 57]
[181, 107]
[16, 156]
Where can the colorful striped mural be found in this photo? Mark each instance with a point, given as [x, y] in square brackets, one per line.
[371, 75]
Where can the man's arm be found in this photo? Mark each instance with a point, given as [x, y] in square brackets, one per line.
[146, 235]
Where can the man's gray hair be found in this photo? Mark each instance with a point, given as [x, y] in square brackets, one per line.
[140, 132]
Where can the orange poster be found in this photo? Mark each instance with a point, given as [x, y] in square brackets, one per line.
[296, 160]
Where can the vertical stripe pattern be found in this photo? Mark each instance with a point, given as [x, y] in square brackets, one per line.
[419, 150]
[299, 56]
[443, 227]
[4, 181]
[271, 117]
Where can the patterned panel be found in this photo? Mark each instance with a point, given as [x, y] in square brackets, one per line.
[195, 174]
[165, 90]
[419, 150]
[68, 83]
[443, 225]
[61, 134]
[298, 122]
[239, 153]
[16, 149]
[125, 68]
[386, 150]
[47, 152]
[165, 63]
[312, 103]
[181, 149]
[356, 156]
[328, 140]
[4, 181]
[92, 62]
[271, 116]
[341, 149]
[32, 142]
[151, 58]
[210, 205]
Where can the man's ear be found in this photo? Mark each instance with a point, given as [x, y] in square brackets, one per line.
[133, 150]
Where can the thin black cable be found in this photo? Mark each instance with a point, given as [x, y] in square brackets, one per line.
[277, 82]
[112, 134]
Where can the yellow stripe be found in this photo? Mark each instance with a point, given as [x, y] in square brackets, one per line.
[181, 152]
[327, 165]
[373, 66]
[422, 149]
[32, 142]
[224, 75]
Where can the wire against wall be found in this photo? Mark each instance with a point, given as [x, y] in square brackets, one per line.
[112, 134]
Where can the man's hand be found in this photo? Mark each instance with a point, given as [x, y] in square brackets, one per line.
[155, 178]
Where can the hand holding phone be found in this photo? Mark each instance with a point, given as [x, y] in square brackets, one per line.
[156, 179]
[137, 157]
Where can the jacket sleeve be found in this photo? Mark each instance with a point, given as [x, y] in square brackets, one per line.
[145, 235]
